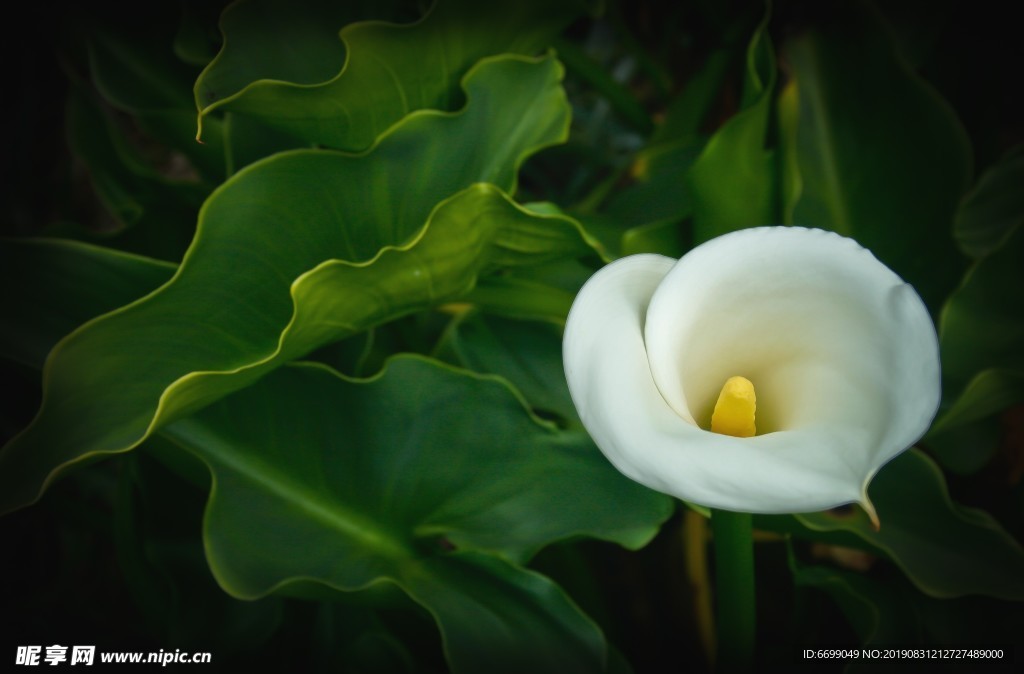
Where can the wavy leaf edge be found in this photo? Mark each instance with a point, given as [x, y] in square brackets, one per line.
[203, 111]
[966, 514]
[159, 415]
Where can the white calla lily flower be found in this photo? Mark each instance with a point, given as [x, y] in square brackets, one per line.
[842, 354]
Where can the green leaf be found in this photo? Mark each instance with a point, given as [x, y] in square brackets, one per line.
[390, 70]
[521, 298]
[496, 617]
[990, 212]
[300, 250]
[886, 612]
[419, 452]
[660, 193]
[879, 156]
[688, 111]
[276, 40]
[965, 448]
[54, 286]
[247, 140]
[526, 353]
[160, 555]
[648, 215]
[664, 237]
[945, 549]
[733, 182]
[351, 483]
[987, 393]
[981, 337]
[878, 618]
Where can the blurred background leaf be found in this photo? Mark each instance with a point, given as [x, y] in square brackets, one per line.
[877, 154]
[982, 335]
[994, 208]
[734, 182]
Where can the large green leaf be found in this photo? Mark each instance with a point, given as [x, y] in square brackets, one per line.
[351, 483]
[394, 463]
[981, 337]
[733, 183]
[879, 156]
[53, 286]
[300, 250]
[945, 549]
[390, 69]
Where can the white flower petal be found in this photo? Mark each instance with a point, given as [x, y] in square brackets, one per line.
[842, 353]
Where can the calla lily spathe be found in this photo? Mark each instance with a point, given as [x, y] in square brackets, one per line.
[843, 355]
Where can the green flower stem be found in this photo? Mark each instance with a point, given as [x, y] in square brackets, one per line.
[734, 584]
